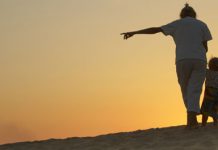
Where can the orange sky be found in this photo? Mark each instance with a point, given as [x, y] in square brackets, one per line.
[66, 71]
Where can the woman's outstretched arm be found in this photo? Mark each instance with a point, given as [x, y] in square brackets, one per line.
[152, 30]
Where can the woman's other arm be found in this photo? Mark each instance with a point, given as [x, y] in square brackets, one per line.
[205, 45]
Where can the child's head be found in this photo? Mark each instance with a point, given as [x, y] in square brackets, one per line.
[213, 64]
[188, 11]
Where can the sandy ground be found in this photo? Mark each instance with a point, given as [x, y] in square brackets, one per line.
[171, 138]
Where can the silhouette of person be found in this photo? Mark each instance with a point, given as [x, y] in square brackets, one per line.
[209, 106]
[190, 36]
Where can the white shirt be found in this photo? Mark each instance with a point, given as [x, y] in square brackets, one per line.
[188, 34]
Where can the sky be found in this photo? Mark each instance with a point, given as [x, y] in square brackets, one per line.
[66, 70]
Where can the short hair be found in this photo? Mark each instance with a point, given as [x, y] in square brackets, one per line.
[213, 64]
[187, 11]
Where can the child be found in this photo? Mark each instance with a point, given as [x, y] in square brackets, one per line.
[210, 102]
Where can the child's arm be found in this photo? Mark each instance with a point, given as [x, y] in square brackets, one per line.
[152, 30]
[205, 45]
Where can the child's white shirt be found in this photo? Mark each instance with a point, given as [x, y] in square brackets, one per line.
[211, 79]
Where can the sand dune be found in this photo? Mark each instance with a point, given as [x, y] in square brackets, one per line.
[171, 138]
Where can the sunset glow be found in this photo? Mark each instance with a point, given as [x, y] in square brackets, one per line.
[66, 71]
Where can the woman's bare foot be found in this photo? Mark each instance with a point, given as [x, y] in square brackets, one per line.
[192, 122]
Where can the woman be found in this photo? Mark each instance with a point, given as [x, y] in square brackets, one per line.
[190, 36]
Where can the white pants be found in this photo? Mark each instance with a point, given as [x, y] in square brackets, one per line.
[191, 75]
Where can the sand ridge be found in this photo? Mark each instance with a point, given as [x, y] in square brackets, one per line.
[170, 138]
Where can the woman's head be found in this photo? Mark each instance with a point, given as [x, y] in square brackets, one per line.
[213, 64]
[187, 11]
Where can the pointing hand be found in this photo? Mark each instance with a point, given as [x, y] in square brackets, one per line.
[127, 35]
